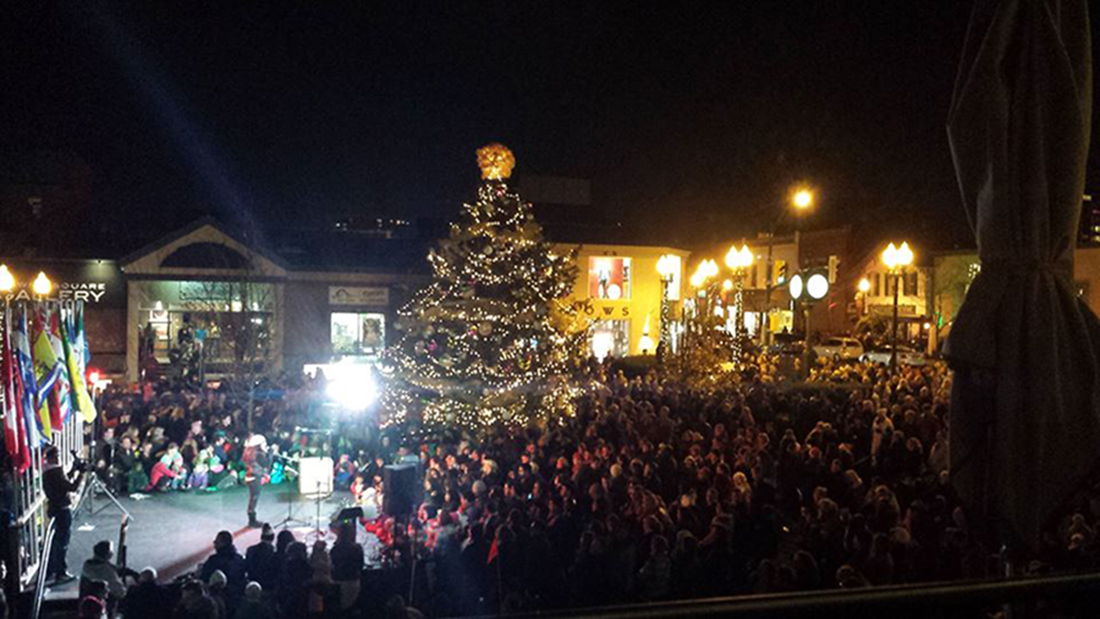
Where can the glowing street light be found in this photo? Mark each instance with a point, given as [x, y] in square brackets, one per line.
[42, 285]
[864, 287]
[666, 267]
[802, 199]
[7, 280]
[896, 259]
[739, 260]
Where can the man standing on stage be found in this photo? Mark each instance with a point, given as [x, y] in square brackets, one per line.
[57, 485]
[257, 463]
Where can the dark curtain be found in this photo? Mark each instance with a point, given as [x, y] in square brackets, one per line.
[1025, 427]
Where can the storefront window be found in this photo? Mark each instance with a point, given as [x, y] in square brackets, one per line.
[609, 278]
[609, 337]
[358, 333]
[219, 322]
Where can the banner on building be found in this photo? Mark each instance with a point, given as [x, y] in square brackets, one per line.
[359, 295]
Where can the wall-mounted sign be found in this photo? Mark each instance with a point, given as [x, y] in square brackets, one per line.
[587, 308]
[359, 295]
[96, 282]
[91, 292]
[903, 310]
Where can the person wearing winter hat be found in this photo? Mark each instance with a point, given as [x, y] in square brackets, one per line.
[260, 560]
[253, 605]
[216, 588]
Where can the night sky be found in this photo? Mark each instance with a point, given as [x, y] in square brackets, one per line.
[690, 120]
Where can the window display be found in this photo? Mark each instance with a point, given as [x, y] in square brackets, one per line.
[609, 278]
[358, 333]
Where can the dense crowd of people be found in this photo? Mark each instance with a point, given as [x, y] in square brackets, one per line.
[651, 491]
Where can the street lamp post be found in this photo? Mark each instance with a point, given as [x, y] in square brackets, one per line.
[665, 268]
[896, 259]
[802, 200]
[739, 260]
[864, 287]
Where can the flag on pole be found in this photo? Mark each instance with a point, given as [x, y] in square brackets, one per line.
[15, 438]
[47, 371]
[25, 379]
[63, 388]
[81, 401]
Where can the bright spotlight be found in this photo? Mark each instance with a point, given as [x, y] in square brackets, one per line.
[351, 385]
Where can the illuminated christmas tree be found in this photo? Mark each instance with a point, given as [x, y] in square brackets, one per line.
[487, 341]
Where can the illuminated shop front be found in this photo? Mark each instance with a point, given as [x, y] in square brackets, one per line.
[618, 296]
[202, 293]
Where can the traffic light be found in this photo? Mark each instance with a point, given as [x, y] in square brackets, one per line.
[781, 273]
[834, 266]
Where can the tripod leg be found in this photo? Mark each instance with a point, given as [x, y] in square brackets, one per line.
[110, 495]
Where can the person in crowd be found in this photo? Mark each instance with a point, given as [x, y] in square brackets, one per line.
[254, 606]
[229, 562]
[260, 560]
[99, 567]
[215, 588]
[58, 486]
[146, 598]
[195, 603]
[347, 565]
[121, 464]
[294, 585]
[91, 607]
[344, 472]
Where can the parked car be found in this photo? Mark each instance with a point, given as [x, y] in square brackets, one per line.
[786, 344]
[839, 348]
[906, 356]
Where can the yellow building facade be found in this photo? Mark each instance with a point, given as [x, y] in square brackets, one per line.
[618, 295]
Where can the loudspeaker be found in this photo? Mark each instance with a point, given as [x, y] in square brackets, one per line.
[403, 490]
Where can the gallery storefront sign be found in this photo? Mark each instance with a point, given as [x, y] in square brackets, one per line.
[96, 282]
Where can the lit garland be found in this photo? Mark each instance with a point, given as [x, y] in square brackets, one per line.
[484, 342]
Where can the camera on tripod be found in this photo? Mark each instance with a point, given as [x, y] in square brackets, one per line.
[80, 465]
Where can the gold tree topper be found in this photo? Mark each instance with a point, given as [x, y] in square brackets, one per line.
[496, 161]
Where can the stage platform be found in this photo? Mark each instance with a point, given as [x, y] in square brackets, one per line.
[174, 531]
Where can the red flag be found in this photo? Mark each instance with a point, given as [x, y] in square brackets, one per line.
[15, 439]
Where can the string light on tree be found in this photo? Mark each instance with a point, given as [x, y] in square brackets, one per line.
[485, 342]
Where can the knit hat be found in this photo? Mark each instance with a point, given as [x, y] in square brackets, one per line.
[267, 534]
[218, 579]
[91, 606]
[253, 590]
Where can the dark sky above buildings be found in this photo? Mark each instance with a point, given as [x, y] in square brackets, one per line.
[690, 119]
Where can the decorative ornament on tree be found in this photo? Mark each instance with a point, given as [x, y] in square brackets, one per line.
[496, 162]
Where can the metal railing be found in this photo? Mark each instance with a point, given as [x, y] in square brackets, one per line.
[40, 576]
[1074, 595]
[31, 520]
